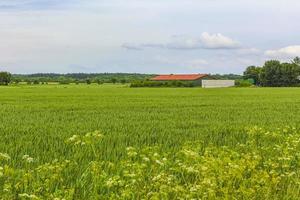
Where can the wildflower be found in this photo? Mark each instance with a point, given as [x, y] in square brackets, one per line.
[159, 162]
[204, 168]
[1, 171]
[155, 155]
[73, 138]
[130, 149]
[132, 154]
[27, 158]
[28, 196]
[4, 156]
[146, 159]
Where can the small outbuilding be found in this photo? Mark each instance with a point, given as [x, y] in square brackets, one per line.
[195, 79]
[217, 83]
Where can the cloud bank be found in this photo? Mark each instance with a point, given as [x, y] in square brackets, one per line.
[286, 52]
[205, 41]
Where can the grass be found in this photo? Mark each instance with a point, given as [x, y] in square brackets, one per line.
[38, 120]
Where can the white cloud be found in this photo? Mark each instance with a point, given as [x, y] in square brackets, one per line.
[286, 52]
[205, 41]
[218, 41]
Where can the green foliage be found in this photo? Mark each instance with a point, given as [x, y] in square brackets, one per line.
[88, 81]
[81, 77]
[279, 74]
[36, 82]
[123, 81]
[64, 82]
[5, 78]
[253, 72]
[113, 80]
[243, 83]
[226, 76]
[99, 82]
[275, 74]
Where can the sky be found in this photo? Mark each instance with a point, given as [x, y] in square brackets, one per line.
[146, 36]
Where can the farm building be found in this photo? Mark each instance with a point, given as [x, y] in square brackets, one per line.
[196, 79]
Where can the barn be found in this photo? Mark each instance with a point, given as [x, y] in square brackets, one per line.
[195, 79]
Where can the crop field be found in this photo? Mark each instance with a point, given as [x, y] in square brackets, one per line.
[116, 142]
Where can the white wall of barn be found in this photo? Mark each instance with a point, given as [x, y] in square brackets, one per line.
[217, 83]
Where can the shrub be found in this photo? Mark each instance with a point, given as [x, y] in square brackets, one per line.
[36, 82]
[243, 83]
[88, 81]
[64, 82]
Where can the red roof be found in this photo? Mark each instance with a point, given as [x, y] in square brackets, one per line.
[178, 77]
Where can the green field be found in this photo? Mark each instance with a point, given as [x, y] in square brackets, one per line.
[38, 120]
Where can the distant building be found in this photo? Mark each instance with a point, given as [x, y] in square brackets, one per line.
[217, 83]
[196, 79]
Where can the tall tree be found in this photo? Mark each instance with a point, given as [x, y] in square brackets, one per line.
[253, 72]
[270, 74]
[276, 74]
[5, 78]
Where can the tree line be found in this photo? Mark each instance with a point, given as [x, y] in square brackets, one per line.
[77, 78]
[275, 73]
[134, 79]
[272, 74]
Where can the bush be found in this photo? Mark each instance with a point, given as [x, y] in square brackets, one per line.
[243, 83]
[64, 82]
[88, 81]
[99, 82]
[36, 82]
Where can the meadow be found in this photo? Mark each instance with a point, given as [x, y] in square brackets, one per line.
[116, 142]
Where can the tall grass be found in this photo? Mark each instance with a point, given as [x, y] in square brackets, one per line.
[265, 166]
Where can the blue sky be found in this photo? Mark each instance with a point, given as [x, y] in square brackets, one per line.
[146, 36]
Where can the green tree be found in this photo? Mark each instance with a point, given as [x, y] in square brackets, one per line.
[88, 81]
[276, 74]
[36, 82]
[17, 81]
[99, 82]
[123, 81]
[253, 72]
[271, 73]
[113, 80]
[5, 78]
[289, 74]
